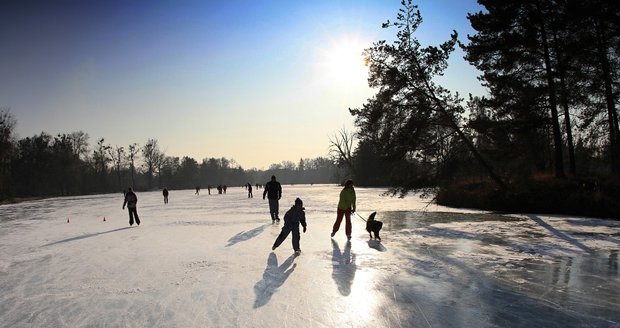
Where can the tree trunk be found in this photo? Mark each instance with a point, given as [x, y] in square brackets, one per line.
[133, 181]
[612, 117]
[565, 107]
[555, 124]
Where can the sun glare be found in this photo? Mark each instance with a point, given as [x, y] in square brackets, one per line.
[343, 64]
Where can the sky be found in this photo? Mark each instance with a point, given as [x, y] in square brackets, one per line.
[259, 82]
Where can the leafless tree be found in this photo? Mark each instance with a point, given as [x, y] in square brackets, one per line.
[152, 156]
[341, 147]
[7, 124]
[118, 156]
[79, 144]
[131, 156]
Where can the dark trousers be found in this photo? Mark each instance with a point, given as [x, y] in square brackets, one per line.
[339, 214]
[286, 229]
[274, 208]
[133, 211]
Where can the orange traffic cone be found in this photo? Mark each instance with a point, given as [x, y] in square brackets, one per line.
[67, 220]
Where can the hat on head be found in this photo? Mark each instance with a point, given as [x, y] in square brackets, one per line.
[299, 202]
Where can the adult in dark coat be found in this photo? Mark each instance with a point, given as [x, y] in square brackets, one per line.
[273, 191]
[131, 200]
[165, 193]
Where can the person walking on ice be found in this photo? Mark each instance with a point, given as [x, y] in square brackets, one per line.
[165, 193]
[292, 219]
[131, 200]
[346, 206]
[273, 191]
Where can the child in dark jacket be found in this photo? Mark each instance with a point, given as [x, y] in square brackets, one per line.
[292, 219]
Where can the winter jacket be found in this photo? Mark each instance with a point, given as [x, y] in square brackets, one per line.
[347, 199]
[295, 215]
[130, 199]
[273, 190]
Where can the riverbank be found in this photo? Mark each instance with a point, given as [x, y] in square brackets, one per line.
[18, 200]
[545, 195]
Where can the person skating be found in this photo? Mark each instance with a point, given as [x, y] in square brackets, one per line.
[273, 191]
[131, 200]
[165, 193]
[292, 218]
[346, 206]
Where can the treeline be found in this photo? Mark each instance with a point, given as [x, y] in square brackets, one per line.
[549, 121]
[66, 164]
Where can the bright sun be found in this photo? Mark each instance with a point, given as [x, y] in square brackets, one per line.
[343, 64]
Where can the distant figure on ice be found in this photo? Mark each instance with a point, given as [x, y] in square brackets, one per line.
[197, 191]
[131, 200]
[224, 187]
[273, 191]
[346, 206]
[292, 219]
[165, 192]
[250, 191]
[209, 189]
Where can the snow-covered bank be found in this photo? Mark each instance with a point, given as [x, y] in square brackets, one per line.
[206, 261]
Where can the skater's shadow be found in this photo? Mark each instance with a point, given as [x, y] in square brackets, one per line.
[344, 267]
[246, 235]
[273, 277]
[376, 245]
[84, 236]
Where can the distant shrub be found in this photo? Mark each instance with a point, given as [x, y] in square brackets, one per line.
[543, 195]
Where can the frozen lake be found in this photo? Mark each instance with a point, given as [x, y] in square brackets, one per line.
[206, 261]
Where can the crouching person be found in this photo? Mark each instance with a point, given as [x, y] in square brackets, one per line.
[292, 219]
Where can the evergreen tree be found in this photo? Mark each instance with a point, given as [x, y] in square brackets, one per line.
[539, 56]
[512, 49]
[411, 114]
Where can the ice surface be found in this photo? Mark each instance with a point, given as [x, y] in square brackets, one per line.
[206, 261]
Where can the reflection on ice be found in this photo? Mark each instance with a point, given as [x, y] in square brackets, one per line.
[508, 271]
[344, 267]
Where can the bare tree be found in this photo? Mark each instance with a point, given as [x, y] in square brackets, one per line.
[117, 154]
[131, 156]
[341, 147]
[79, 143]
[152, 156]
[100, 161]
[7, 124]
[160, 162]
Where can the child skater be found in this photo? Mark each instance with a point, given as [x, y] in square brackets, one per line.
[292, 219]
